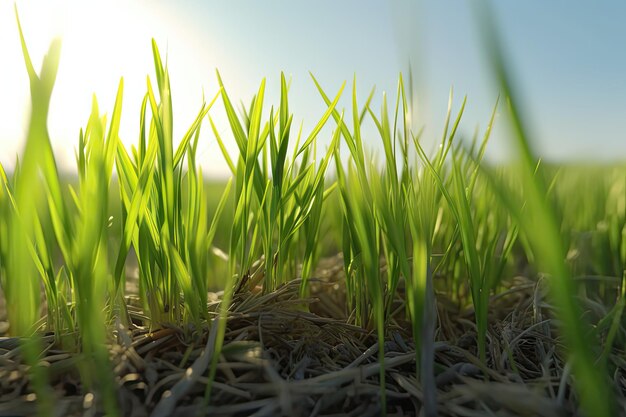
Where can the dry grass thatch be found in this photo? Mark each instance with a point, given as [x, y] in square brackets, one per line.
[280, 358]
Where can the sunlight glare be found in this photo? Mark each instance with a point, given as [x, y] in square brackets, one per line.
[101, 42]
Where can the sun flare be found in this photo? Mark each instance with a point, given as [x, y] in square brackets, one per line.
[101, 42]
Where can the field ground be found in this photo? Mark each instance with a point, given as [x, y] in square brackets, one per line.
[279, 359]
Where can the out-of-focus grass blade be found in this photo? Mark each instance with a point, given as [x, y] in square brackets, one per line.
[541, 228]
[22, 286]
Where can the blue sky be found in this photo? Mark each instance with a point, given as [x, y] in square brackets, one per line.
[567, 57]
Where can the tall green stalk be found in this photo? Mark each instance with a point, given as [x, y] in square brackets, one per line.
[540, 226]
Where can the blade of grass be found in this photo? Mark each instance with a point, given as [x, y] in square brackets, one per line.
[543, 233]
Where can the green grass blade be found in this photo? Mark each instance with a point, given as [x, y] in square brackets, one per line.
[543, 233]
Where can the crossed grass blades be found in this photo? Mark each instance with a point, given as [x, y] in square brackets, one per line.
[401, 222]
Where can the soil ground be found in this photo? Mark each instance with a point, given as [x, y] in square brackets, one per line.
[279, 359]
